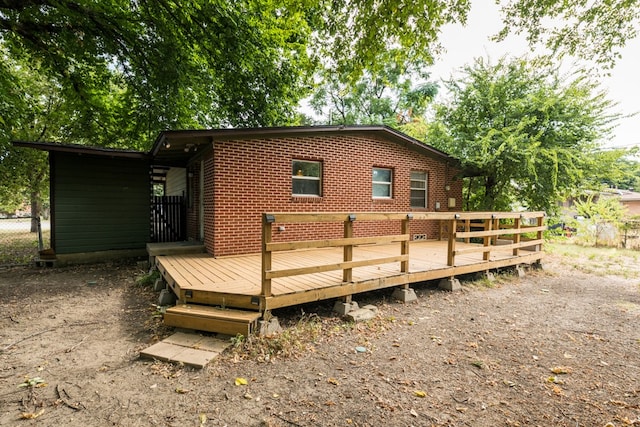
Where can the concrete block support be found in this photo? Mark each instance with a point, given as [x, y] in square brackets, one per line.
[365, 313]
[404, 295]
[450, 284]
[342, 308]
[520, 271]
[166, 297]
[269, 327]
[159, 284]
[488, 275]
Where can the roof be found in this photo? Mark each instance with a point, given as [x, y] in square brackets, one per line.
[629, 196]
[82, 149]
[175, 145]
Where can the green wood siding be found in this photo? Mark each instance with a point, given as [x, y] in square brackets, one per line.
[99, 203]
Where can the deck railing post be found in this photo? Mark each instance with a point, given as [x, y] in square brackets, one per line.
[487, 239]
[267, 220]
[516, 236]
[540, 234]
[347, 273]
[467, 228]
[404, 245]
[451, 247]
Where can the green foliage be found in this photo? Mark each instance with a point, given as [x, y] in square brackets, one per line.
[626, 174]
[133, 69]
[382, 95]
[592, 31]
[602, 221]
[526, 135]
[148, 279]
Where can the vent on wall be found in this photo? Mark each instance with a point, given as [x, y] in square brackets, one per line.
[419, 237]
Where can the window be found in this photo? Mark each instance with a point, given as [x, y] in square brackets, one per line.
[418, 189]
[382, 179]
[306, 178]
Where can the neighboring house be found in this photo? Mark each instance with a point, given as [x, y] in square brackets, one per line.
[101, 199]
[630, 200]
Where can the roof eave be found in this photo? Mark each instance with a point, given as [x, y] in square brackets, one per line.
[80, 149]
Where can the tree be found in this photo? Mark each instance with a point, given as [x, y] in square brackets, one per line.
[525, 134]
[626, 176]
[387, 95]
[160, 64]
[592, 31]
[602, 219]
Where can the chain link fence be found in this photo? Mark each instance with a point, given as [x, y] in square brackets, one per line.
[18, 244]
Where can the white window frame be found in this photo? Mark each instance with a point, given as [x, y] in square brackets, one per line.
[388, 184]
[318, 178]
[425, 188]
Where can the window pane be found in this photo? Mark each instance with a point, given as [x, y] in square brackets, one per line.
[418, 199]
[302, 168]
[418, 189]
[306, 186]
[381, 175]
[381, 190]
[419, 176]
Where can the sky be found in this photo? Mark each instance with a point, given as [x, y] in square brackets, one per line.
[463, 44]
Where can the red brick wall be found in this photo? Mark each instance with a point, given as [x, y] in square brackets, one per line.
[254, 176]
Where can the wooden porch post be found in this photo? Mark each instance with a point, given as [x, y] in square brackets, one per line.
[540, 235]
[451, 247]
[516, 237]
[467, 228]
[267, 220]
[404, 245]
[487, 239]
[347, 273]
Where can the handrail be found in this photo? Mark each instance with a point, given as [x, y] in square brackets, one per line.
[490, 231]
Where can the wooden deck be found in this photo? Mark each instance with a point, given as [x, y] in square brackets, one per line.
[298, 276]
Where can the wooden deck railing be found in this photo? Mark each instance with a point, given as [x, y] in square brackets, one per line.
[488, 227]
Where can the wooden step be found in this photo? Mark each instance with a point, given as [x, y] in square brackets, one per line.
[212, 319]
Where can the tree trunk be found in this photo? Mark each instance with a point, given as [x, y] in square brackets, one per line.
[489, 201]
[36, 207]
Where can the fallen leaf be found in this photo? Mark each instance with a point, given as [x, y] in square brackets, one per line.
[31, 415]
[414, 413]
[555, 380]
[420, 393]
[333, 381]
[181, 390]
[557, 390]
[329, 403]
[561, 370]
[241, 381]
[248, 396]
[203, 419]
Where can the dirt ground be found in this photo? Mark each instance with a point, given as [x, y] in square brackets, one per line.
[558, 347]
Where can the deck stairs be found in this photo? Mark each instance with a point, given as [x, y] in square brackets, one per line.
[212, 319]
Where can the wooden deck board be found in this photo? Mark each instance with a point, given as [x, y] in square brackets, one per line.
[242, 275]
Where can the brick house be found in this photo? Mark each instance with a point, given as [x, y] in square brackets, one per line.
[224, 179]
[229, 177]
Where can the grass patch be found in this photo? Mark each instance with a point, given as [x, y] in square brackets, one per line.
[148, 279]
[599, 261]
